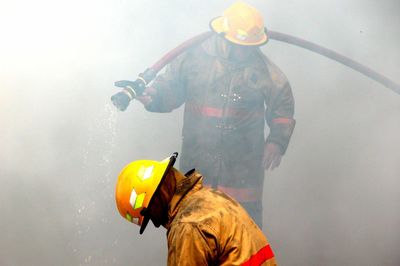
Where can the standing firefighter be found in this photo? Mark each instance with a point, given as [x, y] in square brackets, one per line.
[205, 226]
[230, 89]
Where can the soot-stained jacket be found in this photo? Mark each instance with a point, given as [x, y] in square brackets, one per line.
[226, 106]
[207, 227]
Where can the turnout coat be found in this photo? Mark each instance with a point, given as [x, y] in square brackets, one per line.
[207, 227]
[226, 106]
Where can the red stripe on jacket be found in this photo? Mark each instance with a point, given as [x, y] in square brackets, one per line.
[219, 112]
[282, 120]
[260, 257]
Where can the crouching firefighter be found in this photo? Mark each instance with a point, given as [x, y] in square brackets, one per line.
[204, 226]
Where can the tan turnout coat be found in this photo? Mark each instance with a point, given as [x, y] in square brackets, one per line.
[207, 227]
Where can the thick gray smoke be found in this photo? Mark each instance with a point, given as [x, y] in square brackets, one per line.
[335, 200]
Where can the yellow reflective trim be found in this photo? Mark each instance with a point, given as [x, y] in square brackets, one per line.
[135, 221]
[242, 32]
[128, 217]
[140, 172]
[133, 197]
[148, 172]
[145, 172]
[225, 25]
[139, 201]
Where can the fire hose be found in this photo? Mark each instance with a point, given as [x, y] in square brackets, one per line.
[131, 89]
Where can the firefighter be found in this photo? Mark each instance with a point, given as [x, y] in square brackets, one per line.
[204, 226]
[229, 89]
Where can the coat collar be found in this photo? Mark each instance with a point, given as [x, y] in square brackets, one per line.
[186, 185]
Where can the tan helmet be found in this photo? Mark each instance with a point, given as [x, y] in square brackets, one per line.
[241, 24]
[137, 183]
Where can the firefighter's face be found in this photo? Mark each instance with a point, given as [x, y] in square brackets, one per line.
[240, 52]
[159, 207]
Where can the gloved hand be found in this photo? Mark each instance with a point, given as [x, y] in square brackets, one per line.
[147, 96]
[272, 156]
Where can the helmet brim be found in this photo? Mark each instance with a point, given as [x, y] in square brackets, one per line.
[146, 216]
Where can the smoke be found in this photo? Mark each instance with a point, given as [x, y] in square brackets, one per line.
[334, 200]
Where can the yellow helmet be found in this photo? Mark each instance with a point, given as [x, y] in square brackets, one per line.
[137, 183]
[241, 24]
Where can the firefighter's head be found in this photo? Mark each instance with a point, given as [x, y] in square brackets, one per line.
[241, 24]
[138, 190]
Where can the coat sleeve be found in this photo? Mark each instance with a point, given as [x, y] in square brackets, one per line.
[188, 244]
[170, 87]
[280, 109]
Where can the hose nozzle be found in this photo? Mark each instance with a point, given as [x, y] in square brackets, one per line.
[131, 89]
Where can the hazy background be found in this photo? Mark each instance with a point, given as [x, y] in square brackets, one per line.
[335, 200]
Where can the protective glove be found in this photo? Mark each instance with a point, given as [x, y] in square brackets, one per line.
[272, 156]
[147, 96]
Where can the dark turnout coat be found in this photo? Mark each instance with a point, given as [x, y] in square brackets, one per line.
[226, 107]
